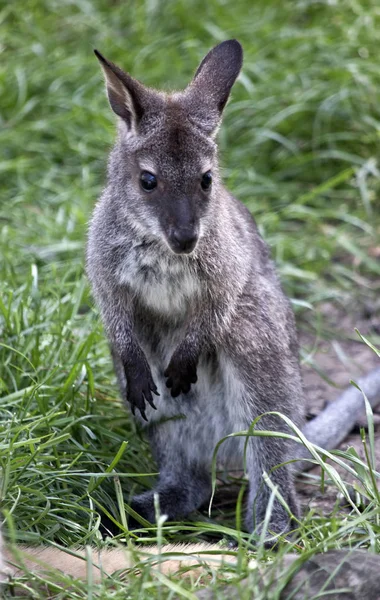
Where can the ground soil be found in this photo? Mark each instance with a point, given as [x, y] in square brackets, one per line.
[336, 361]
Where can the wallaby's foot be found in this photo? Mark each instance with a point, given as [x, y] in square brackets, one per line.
[144, 506]
[179, 493]
[281, 522]
[280, 527]
[265, 456]
[170, 502]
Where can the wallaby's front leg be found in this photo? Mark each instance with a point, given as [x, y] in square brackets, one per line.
[181, 372]
[128, 355]
[140, 384]
[203, 329]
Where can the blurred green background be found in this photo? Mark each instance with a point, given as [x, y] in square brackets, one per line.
[300, 139]
[299, 145]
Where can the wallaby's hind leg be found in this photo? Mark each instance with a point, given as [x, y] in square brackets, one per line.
[179, 494]
[265, 454]
[264, 377]
[183, 485]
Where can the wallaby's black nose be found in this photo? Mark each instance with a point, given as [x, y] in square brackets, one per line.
[183, 240]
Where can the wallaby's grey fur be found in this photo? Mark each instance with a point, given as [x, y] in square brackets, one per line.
[202, 337]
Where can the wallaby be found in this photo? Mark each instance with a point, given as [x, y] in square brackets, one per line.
[202, 337]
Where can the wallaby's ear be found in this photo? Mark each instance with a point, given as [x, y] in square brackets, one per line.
[125, 94]
[208, 93]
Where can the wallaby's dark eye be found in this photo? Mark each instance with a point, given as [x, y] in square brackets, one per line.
[148, 181]
[206, 180]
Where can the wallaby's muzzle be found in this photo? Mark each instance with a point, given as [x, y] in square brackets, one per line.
[183, 240]
[181, 224]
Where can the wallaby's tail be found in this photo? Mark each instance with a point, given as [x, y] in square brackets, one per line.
[336, 421]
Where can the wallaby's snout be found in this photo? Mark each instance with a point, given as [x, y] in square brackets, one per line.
[183, 239]
[180, 224]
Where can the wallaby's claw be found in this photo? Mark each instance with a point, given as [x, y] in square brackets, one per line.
[153, 388]
[139, 391]
[140, 405]
[150, 400]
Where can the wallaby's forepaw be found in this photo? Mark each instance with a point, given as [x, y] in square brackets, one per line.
[139, 391]
[181, 373]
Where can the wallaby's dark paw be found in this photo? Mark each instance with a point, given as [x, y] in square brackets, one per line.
[139, 391]
[181, 374]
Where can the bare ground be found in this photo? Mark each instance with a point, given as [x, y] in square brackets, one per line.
[335, 362]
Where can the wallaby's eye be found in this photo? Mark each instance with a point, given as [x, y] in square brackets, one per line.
[148, 181]
[206, 181]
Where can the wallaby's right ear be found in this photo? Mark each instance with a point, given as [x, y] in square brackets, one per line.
[208, 93]
[125, 94]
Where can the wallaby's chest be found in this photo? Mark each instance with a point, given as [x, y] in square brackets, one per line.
[163, 282]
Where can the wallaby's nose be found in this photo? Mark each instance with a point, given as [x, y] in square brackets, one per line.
[183, 240]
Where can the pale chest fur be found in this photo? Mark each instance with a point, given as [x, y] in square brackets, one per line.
[163, 281]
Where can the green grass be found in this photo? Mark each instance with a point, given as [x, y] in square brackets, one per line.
[299, 146]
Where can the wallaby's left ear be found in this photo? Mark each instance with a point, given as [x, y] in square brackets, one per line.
[208, 93]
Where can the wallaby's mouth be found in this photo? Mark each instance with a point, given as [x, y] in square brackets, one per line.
[183, 241]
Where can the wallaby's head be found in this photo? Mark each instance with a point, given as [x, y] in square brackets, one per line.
[166, 153]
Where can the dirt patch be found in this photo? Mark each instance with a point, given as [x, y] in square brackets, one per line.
[329, 366]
